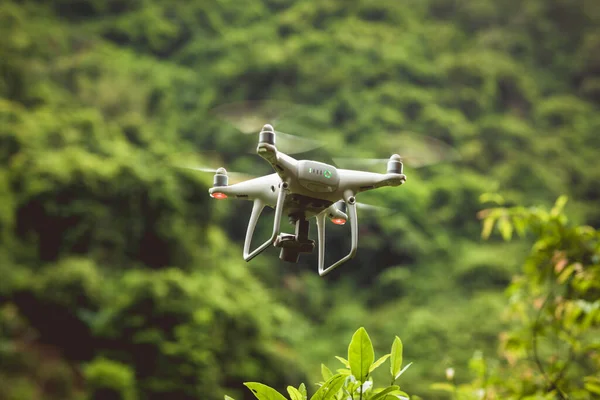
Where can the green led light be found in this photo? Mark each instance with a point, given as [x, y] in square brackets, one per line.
[327, 174]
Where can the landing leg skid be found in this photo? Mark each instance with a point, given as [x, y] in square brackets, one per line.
[257, 209]
[321, 219]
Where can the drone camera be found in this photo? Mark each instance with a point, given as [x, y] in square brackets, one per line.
[292, 245]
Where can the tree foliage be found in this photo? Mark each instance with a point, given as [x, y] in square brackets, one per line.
[551, 348]
[112, 259]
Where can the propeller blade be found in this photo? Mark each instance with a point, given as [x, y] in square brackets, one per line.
[250, 116]
[209, 162]
[292, 144]
[377, 164]
[370, 208]
[234, 177]
[416, 151]
[365, 207]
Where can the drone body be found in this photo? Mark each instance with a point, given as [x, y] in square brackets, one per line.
[300, 190]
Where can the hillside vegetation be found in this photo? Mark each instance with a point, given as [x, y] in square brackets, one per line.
[122, 277]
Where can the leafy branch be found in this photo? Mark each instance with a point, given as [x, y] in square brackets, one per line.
[355, 379]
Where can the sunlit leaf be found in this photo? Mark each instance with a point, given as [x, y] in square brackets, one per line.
[400, 395]
[488, 224]
[519, 224]
[559, 205]
[381, 395]
[302, 389]
[592, 387]
[329, 388]
[295, 393]
[326, 372]
[505, 228]
[491, 197]
[361, 354]
[377, 363]
[403, 370]
[565, 274]
[343, 361]
[446, 387]
[264, 392]
[396, 358]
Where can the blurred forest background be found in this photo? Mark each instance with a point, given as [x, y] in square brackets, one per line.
[122, 278]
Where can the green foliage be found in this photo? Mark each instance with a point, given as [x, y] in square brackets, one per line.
[352, 382]
[551, 348]
[106, 251]
[360, 355]
[107, 378]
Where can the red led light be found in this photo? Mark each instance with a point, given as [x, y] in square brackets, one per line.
[218, 195]
[338, 221]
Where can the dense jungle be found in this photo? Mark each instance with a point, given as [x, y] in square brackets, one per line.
[121, 278]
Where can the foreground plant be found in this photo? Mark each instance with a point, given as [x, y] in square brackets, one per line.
[551, 350]
[353, 382]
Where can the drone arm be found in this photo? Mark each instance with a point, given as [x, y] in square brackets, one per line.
[321, 219]
[284, 165]
[257, 208]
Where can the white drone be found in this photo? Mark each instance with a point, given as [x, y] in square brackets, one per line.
[303, 189]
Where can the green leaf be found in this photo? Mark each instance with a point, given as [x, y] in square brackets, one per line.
[592, 387]
[446, 387]
[492, 198]
[565, 273]
[396, 358]
[344, 371]
[329, 388]
[403, 369]
[302, 389]
[519, 224]
[343, 361]
[326, 372]
[488, 224]
[399, 395]
[264, 392]
[505, 228]
[294, 393]
[229, 398]
[559, 205]
[360, 354]
[381, 395]
[378, 362]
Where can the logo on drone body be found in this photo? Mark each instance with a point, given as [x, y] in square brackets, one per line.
[326, 173]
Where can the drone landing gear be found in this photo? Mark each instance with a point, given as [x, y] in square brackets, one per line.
[257, 209]
[321, 218]
[292, 245]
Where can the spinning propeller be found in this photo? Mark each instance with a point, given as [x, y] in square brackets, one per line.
[248, 117]
[416, 151]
